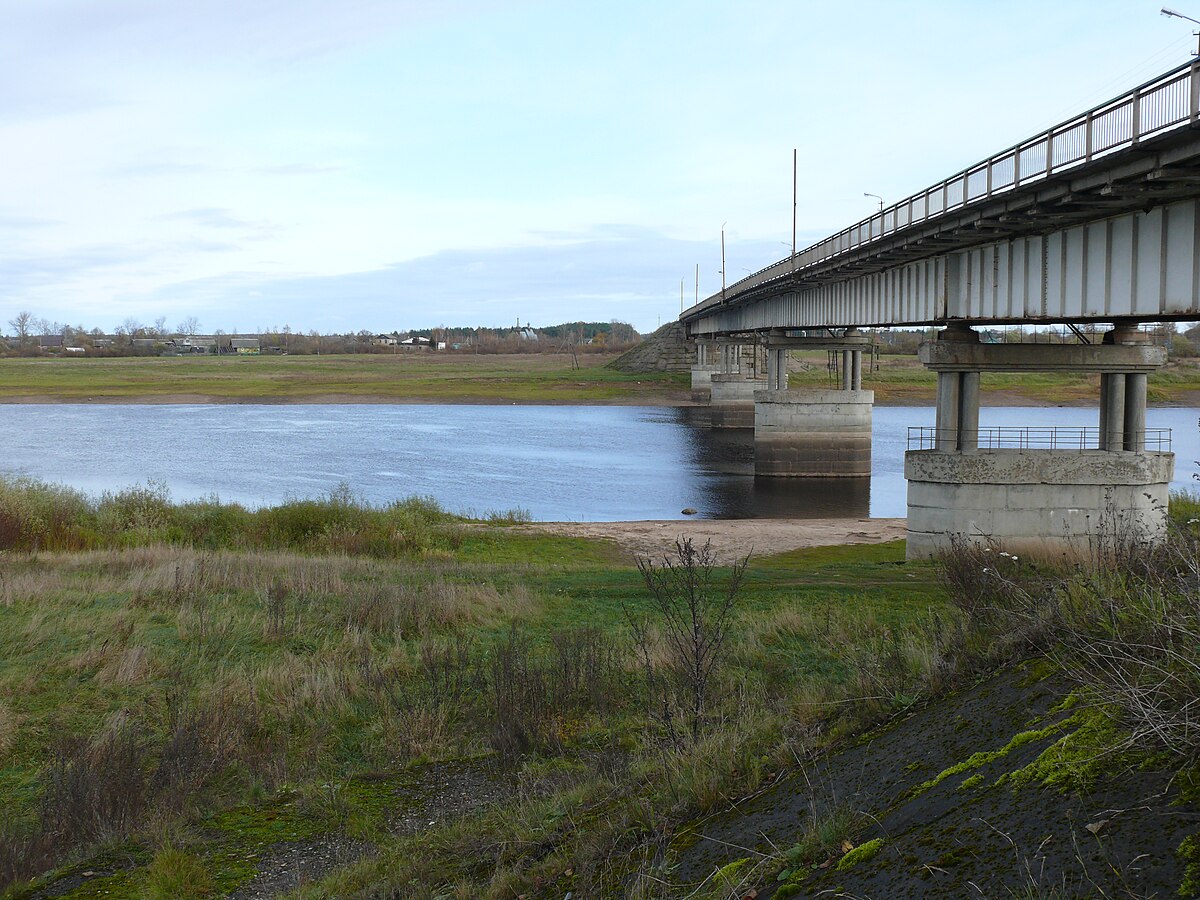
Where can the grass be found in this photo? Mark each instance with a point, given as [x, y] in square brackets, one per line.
[177, 700]
[399, 378]
[465, 378]
[261, 682]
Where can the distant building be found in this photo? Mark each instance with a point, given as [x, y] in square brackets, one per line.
[198, 344]
[385, 340]
[50, 341]
[245, 346]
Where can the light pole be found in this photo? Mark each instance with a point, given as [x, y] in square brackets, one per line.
[723, 224]
[1178, 15]
[877, 197]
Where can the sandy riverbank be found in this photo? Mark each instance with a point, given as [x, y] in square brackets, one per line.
[732, 538]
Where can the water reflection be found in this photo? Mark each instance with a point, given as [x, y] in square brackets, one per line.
[723, 452]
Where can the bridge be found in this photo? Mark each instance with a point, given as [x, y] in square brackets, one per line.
[1096, 221]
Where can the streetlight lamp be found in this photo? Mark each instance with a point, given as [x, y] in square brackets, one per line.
[1170, 13]
[877, 197]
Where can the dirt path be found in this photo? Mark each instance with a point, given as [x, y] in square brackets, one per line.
[732, 538]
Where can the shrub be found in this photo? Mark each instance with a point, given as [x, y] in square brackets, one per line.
[692, 612]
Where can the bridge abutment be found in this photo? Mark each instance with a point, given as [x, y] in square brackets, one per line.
[813, 433]
[1045, 491]
[732, 400]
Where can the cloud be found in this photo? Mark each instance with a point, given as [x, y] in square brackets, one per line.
[612, 272]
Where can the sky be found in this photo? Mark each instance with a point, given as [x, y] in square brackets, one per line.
[386, 165]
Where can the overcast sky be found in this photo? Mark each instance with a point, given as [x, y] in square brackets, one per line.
[394, 164]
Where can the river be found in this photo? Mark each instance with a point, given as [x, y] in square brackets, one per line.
[558, 463]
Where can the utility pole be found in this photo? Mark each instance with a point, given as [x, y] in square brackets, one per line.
[723, 224]
[794, 209]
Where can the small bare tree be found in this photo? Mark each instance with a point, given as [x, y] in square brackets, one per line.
[692, 610]
[22, 326]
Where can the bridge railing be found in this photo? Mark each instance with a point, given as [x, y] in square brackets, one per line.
[1005, 437]
[1170, 100]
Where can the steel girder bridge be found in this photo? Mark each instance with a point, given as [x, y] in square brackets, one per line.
[1094, 220]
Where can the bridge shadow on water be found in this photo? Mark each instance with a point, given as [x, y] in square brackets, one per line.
[725, 457]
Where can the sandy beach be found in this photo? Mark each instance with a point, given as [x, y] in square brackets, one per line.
[732, 538]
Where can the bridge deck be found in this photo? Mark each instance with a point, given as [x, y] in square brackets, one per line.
[1094, 219]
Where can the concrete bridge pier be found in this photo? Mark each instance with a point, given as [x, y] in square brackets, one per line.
[813, 433]
[731, 390]
[1047, 491]
[702, 372]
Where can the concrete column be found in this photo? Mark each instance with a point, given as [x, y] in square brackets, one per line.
[1135, 411]
[946, 427]
[1102, 442]
[968, 411]
[847, 369]
[777, 370]
[1113, 437]
[856, 371]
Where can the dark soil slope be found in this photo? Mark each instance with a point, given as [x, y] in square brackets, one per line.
[994, 792]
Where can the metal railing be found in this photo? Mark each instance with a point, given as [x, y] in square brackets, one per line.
[1164, 102]
[1005, 437]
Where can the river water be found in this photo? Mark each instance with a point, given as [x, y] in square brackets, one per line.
[577, 463]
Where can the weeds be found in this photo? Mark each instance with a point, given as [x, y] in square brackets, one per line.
[1126, 628]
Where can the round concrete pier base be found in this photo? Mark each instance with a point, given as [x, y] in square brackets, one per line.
[732, 400]
[1038, 502]
[813, 434]
[702, 383]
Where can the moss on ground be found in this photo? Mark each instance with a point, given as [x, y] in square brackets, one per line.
[860, 854]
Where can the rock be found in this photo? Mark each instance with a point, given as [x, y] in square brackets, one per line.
[688, 511]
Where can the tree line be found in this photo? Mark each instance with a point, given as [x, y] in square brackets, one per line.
[33, 335]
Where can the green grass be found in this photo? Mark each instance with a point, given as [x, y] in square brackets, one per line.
[400, 378]
[465, 378]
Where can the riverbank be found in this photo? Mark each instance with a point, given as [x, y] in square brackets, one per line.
[515, 379]
[333, 700]
[731, 539]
